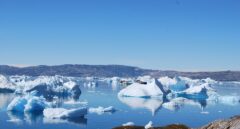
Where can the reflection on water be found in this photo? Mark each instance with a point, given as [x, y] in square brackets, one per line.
[77, 121]
[153, 105]
[19, 117]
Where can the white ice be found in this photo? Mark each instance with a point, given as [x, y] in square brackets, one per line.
[152, 89]
[149, 125]
[28, 103]
[62, 113]
[101, 110]
[128, 124]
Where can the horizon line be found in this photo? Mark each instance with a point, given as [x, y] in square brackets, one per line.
[26, 66]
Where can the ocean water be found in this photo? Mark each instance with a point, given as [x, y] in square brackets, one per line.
[193, 113]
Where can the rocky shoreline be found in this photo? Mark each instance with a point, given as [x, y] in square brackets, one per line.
[232, 123]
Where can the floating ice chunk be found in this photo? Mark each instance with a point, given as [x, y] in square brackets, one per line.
[149, 125]
[70, 84]
[209, 81]
[62, 113]
[35, 104]
[100, 110]
[228, 99]
[72, 102]
[204, 112]
[5, 85]
[90, 84]
[152, 89]
[27, 103]
[115, 80]
[128, 124]
[179, 86]
[167, 81]
[196, 89]
[145, 78]
[17, 104]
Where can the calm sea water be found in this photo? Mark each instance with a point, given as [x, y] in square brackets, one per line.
[193, 113]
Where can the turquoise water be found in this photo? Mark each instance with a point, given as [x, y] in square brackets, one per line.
[193, 113]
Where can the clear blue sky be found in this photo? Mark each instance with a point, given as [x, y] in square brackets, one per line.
[186, 35]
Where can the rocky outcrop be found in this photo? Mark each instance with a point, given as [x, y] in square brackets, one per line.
[232, 123]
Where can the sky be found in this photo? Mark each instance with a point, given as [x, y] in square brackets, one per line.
[184, 35]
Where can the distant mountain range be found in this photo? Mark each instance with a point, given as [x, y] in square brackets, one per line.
[111, 71]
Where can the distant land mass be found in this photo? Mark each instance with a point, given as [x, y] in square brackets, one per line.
[111, 71]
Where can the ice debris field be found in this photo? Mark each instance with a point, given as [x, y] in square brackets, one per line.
[39, 94]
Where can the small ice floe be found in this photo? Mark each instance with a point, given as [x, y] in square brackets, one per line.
[128, 124]
[149, 125]
[101, 110]
[28, 103]
[204, 112]
[62, 113]
[90, 84]
[152, 89]
[72, 102]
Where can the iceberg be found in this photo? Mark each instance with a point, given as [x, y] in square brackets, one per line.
[28, 103]
[229, 99]
[149, 125]
[152, 89]
[45, 85]
[202, 91]
[175, 85]
[62, 113]
[6, 86]
[101, 110]
[128, 124]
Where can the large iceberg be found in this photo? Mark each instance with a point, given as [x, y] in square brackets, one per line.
[153, 88]
[62, 113]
